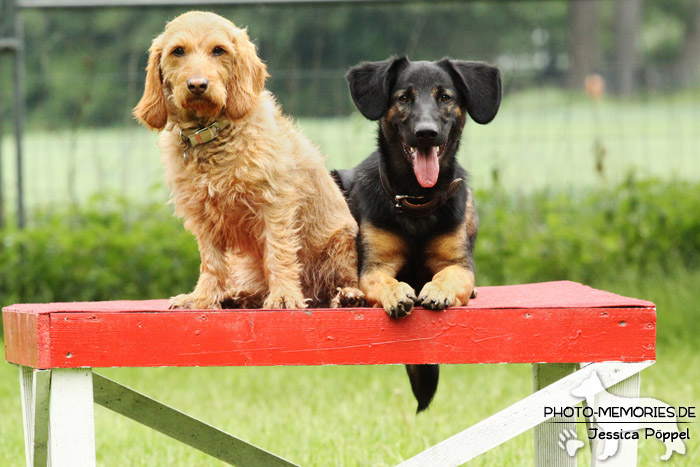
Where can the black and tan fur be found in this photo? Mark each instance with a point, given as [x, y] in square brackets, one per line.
[418, 258]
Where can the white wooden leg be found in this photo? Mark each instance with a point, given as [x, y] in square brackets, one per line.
[35, 386]
[626, 452]
[520, 416]
[548, 441]
[26, 384]
[71, 418]
[42, 391]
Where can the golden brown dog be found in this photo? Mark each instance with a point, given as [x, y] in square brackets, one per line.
[272, 226]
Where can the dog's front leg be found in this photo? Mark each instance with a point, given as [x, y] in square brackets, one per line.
[449, 259]
[280, 261]
[209, 291]
[341, 255]
[383, 256]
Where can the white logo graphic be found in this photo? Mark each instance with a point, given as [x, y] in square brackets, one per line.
[618, 418]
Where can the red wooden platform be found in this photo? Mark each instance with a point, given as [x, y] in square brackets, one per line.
[554, 325]
[547, 322]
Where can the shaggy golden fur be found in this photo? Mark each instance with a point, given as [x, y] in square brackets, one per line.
[272, 226]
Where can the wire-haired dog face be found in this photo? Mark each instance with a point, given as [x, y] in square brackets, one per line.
[201, 67]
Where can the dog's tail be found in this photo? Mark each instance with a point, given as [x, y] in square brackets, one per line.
[424, 382]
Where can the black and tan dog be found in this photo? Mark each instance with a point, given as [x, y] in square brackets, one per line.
[417, 217]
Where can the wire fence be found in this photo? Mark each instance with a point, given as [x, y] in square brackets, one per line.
[546, 136]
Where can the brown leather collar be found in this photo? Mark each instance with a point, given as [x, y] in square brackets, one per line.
[405, 204]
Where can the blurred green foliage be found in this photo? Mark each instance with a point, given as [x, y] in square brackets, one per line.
[85, 66]
[108, 250]
[112, 250]
[638, 227]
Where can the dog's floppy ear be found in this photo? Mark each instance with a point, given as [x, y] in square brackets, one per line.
[371, 83]
[248, 77]
[151, 110]
[480, 86]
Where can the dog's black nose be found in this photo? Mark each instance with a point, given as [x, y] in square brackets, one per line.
[426, 132]
[197, 85]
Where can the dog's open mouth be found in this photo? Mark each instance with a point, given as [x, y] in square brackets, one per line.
[426, 163]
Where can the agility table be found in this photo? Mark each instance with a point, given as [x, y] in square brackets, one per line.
[566, 330]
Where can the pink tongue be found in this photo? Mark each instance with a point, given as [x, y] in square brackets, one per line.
[427, 167]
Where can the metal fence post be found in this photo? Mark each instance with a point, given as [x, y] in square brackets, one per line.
[19, 109]
[5, 44]
[11, 40]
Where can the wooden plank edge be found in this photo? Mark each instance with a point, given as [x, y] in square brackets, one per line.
[27, 339]
[50, 351]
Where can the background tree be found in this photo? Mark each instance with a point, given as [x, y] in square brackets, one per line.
[584, 41]
[687, 65]
[85, 67]
[626, 25]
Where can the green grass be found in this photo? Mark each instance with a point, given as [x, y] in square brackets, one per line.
[540, 139]
[344, 416]
[364, 415]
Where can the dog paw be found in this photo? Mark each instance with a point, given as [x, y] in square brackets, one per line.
[398, 300]
[241, 301]
[193, 302]
[434, 297]
[284, 300]
[235, 298]
[348, 297]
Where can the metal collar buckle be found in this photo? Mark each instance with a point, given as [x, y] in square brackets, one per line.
[200, 136]
[399, 198]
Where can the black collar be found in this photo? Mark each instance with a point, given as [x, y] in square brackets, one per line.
[405, 204]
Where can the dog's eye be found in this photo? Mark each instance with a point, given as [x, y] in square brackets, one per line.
[403, 99]
[218, 50]
[445, 98]
[178, 51]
